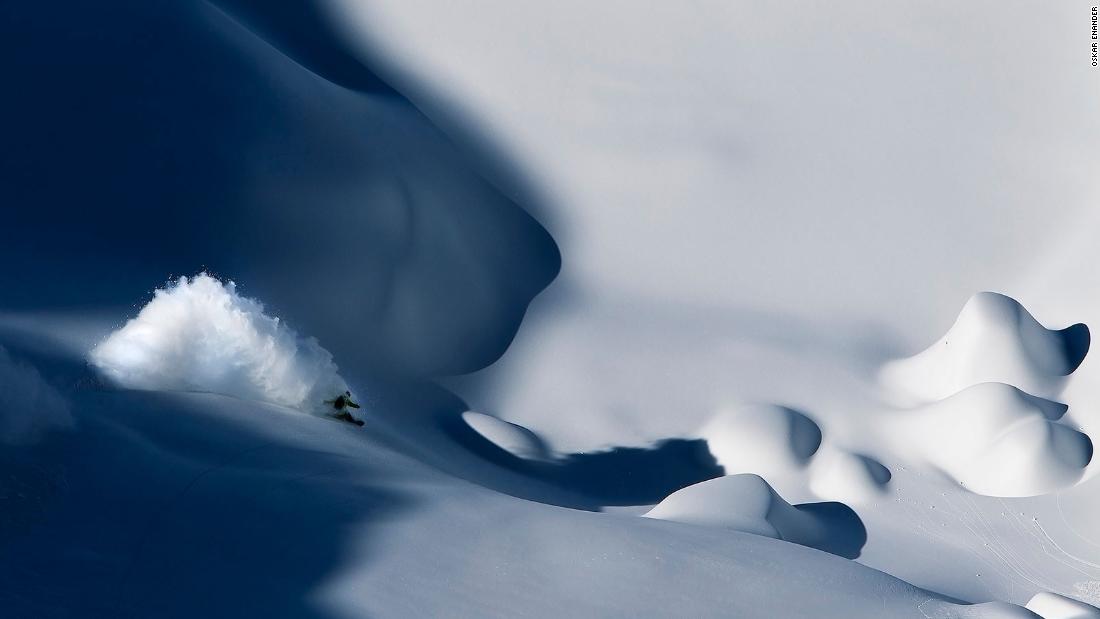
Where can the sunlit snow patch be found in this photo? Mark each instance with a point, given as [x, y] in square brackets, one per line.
[198, 334]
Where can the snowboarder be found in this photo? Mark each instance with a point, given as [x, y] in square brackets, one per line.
[341, 403]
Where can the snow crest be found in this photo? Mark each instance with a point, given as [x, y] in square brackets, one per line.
[198, 334]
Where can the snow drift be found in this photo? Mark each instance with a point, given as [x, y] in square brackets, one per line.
[29, 405]
[748, 503]
[1053, 606]
[853, 478]
[981, 401]
[773, 441]
[994, 339]
[199, 334]
[995, 440]
[515, 439]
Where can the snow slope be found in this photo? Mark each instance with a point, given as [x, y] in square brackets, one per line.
[29, 405]
[765, 204]
[746, 502]
[184, 505]
[240, 137]
[764, 213]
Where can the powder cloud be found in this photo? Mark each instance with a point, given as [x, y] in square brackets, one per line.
[199, 334]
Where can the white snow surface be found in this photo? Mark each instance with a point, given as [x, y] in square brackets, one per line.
[742, 502]
[1054, 606]
[226, 506]
[765, 204]
[994, 439]
[994, 339]
[747, 503]
[765, 214]
[514, 439]
[773, 441]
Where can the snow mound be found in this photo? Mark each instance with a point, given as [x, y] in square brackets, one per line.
[994, 339]
[29, 406]
[749, 504]
[986, 610]
[515, 439]
[1054, 606]
[995, 440]
[741, 502]
[198, 334]
[852, 478]
[773, 441]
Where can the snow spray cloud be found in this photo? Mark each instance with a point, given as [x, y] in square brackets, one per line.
[29, 406]
[198, 334]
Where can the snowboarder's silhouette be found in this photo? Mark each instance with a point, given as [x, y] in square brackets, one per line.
[341, 403]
